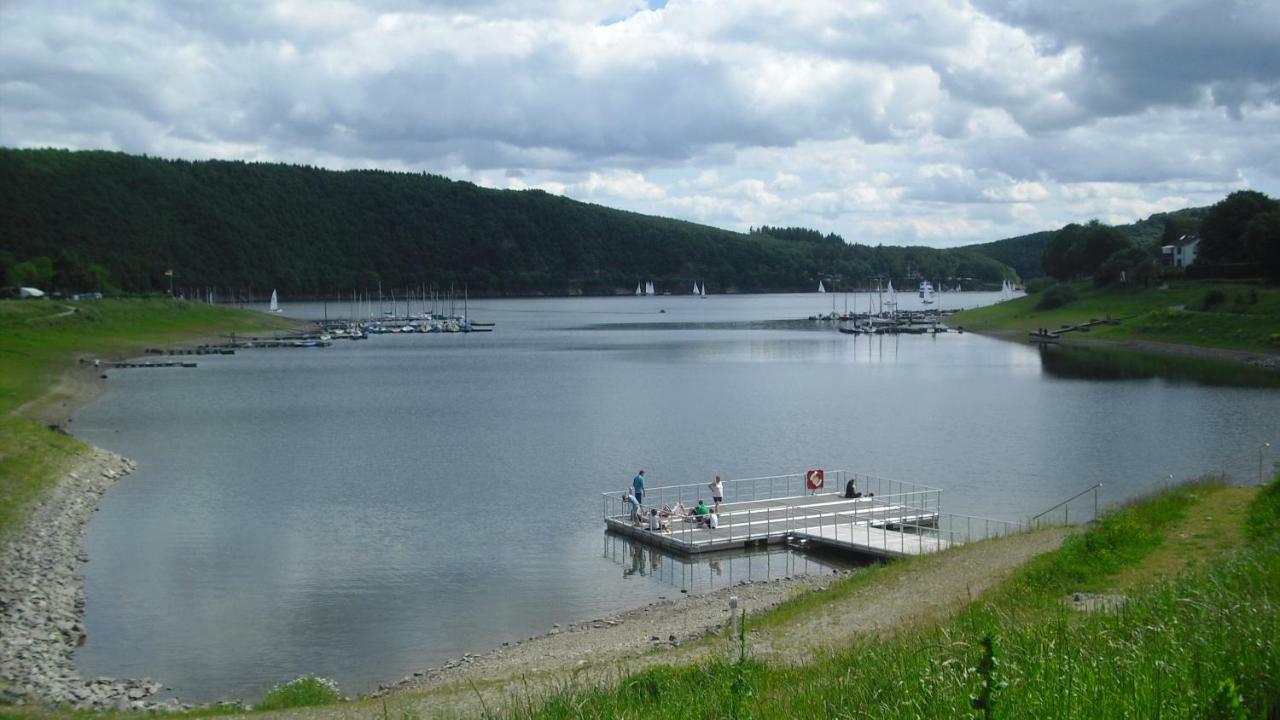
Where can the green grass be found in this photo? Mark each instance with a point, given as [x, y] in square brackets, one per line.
[39, 345]
[1234, 324]
[306, 691]
[1192, 647]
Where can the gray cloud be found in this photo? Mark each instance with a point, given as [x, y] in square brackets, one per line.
[942, 122]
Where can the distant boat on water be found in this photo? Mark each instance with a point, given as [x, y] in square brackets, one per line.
[639, 291]
[821, 289]
[648, 288]
[275, 302]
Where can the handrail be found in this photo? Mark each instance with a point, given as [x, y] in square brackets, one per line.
[1093, 489]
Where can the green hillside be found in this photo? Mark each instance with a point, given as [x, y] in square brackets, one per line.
[1023, 253]
[103, 220]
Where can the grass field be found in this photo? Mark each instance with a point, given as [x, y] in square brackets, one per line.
[41, 380]
[1247, 318]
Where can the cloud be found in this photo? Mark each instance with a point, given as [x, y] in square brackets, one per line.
[942, 122]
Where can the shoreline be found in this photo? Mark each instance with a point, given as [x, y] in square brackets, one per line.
[42, 599]
[1262, 360]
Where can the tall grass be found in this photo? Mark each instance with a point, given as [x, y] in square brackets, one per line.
[1204, 645]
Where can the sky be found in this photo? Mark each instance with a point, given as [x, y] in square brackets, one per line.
[935, 122]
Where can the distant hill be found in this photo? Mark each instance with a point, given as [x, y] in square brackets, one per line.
[83, 220]
[1022, 253]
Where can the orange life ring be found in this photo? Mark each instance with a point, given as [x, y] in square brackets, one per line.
[815, 479]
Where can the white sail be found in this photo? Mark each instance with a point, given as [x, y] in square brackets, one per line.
[648, 288]
[821, 289]
[695, 287]
[704, 290]
[275, 302]
[638, 290]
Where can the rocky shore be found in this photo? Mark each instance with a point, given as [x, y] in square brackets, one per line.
[42, 600]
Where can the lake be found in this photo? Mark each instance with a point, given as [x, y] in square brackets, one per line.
[378, 507]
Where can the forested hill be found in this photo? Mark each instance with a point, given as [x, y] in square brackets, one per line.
[105, 220]
[1023, 253]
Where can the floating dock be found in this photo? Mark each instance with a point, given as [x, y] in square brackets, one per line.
[889, 519]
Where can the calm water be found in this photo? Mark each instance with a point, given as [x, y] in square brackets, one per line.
[374, 508]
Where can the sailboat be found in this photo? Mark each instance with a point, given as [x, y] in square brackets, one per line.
[275, 302]
[648, 288]
[821, 289]
[639, 291]
[695, 287]
[704, 291]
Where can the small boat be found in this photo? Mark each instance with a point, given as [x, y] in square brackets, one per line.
[648, 288]
[639, 291]
[695, 288]
[275, 302]
[821, 289]
[704, 291]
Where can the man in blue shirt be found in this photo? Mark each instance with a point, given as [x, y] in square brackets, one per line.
[638, 484]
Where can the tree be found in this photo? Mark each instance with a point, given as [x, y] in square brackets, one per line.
[1081, 249]
[1224, 226]
[1261, 239]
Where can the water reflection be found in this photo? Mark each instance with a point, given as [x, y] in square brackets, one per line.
[700, 574]
[1080, 363]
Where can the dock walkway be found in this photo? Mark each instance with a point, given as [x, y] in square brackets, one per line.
[892, 518]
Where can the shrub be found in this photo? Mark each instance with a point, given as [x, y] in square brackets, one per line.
[1212, 299]
[1039, 285]
[1055, 297]
[303, 692]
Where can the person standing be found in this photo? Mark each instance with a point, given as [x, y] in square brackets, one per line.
[637, 484]
[717, 492]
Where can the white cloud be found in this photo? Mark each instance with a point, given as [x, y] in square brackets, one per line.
[940, 122]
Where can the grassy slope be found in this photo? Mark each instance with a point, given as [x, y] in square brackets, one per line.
[1231, 325]
[1170, 651]
[40, 377]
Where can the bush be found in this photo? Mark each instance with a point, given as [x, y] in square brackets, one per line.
[1055, 297]
[1212, 299]
[1039, 285]
[303, 692]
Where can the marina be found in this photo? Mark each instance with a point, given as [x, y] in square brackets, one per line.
[862, 514]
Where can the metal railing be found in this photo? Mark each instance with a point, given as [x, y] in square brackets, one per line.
[918, 533]
[773, 487]
[1066, 506]
[772, 522]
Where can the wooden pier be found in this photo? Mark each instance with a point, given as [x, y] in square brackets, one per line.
[892, 519]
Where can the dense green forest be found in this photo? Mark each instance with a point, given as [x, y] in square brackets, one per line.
[110, 221]
[1025, 253]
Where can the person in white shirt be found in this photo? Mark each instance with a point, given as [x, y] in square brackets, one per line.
[717, 492]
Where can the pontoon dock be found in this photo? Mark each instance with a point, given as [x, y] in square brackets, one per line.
[891, 519]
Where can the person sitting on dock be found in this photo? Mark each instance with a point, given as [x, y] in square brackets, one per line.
[700, 512]
[655, 521]
[851, 489]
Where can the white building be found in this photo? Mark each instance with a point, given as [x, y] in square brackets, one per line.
[1182, 252]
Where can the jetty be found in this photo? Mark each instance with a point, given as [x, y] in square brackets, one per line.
[1043, 335]
[884, 518]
